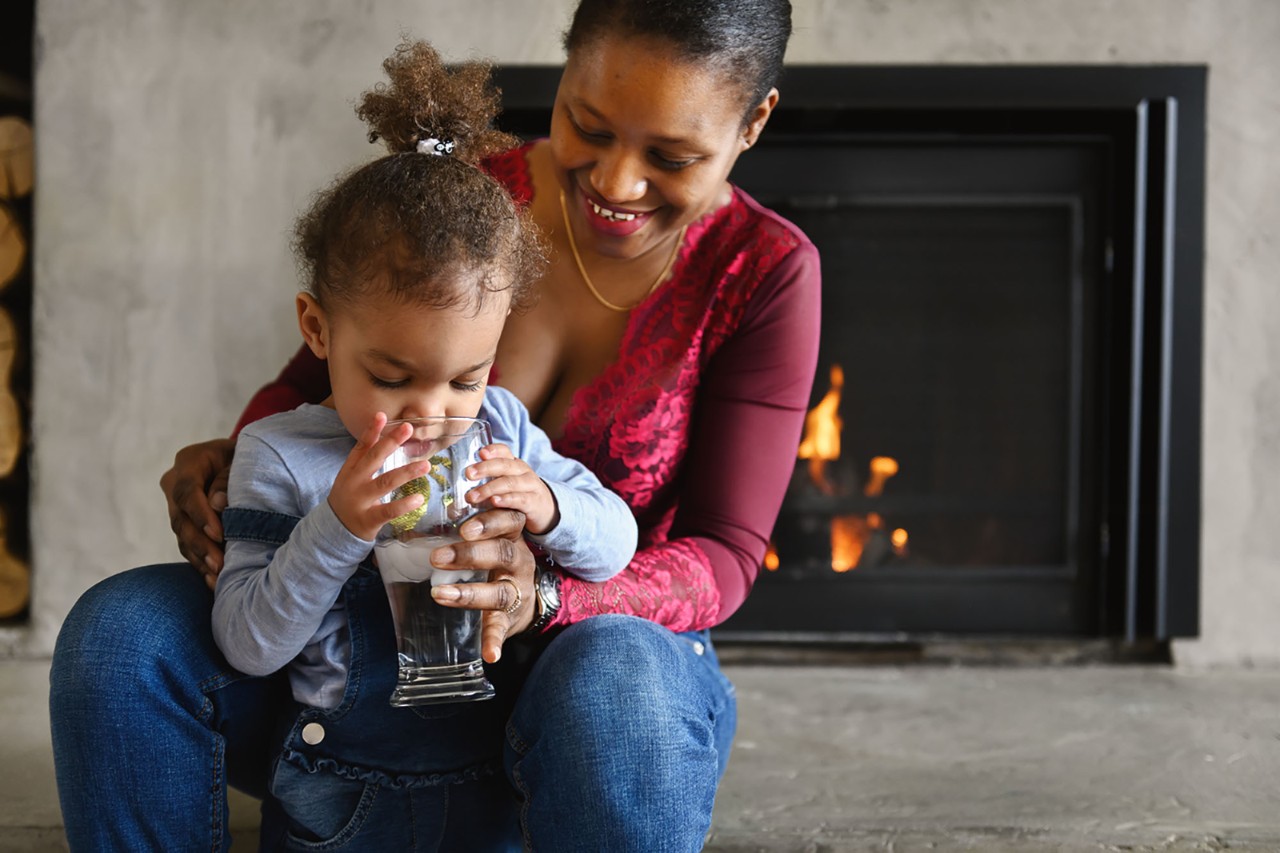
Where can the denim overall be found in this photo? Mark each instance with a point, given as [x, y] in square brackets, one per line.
[367, 776]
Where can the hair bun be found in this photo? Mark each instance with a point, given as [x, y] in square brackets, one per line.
[429, 105]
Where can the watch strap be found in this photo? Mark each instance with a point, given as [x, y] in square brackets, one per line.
[546, 589]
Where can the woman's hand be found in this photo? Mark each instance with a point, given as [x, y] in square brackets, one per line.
[196, 490]
[491, 542]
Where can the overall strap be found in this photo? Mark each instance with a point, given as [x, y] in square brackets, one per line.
[257, 525]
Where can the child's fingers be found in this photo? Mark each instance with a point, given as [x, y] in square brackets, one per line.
[506, 466]
[386, 444]
[519, 492]
[369, 437]
[384, 513]
[373, 446]
[389, 481]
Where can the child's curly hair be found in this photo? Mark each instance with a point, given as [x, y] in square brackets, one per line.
[434, 230]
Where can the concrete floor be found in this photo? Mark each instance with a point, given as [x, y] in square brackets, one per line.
[906, 758]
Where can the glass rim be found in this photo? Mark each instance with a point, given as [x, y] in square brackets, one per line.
[444, 427]
[435, 419]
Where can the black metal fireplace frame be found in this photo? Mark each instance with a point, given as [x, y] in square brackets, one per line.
[1142, 543]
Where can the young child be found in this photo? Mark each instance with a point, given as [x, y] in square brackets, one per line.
[414, 262]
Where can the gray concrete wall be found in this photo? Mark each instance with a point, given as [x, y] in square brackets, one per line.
[176, 142]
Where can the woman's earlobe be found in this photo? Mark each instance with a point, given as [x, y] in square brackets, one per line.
[759, 118]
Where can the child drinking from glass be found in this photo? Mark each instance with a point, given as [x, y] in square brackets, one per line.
[413, 263]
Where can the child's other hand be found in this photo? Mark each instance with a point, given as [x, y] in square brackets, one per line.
[513, 485]
[356, 495]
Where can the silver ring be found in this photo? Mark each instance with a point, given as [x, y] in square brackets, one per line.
[514, 607]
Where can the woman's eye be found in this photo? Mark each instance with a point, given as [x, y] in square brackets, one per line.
[383, 383]
[672, 164]
[591, 135]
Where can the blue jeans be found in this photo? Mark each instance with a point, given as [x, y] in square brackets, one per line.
[617, 740]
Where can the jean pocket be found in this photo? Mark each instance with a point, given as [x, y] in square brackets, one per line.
[325, 811]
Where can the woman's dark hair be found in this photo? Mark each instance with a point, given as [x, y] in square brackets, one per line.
[745, 38]
[427, 228]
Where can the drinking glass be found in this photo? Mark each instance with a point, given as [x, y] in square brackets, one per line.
[438, 647]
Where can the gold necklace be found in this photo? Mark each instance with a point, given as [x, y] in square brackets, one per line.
[573, 246]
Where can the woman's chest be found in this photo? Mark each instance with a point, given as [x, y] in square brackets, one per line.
[558, 347]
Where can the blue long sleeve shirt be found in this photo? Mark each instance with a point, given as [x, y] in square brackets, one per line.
[276, 607]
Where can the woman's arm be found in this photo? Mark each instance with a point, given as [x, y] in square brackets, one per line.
[305, 379]
[749, 413]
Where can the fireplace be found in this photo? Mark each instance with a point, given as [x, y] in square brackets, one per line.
[1004, 431]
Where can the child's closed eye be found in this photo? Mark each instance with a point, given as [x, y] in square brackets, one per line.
[387, 383]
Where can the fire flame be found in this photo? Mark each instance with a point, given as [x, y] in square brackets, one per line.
[771, 561]
[820, 445]
[822, 425]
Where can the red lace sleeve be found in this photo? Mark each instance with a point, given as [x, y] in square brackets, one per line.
[305, 379]
[746, 425]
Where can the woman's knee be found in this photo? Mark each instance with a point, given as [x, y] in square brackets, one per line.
[623, 657]
[622, 677]
[131, 623]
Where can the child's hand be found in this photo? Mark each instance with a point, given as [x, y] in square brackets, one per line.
[356, 495]
[513, 485]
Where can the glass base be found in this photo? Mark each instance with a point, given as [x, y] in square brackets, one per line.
[431, 685]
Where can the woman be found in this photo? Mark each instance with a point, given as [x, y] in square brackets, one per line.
[671, 351]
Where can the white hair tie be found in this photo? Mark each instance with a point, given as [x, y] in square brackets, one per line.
[438, 147]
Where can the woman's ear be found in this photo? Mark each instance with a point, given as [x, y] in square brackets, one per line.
[757, 119]
[314, 325]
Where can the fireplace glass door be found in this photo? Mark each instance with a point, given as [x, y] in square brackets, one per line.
[945, 446]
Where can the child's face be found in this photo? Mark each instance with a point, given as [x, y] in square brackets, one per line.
[408, 361]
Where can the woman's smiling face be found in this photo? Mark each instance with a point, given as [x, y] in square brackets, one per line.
[643, 141]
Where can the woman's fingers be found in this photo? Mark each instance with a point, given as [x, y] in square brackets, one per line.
[195, 492]
[486, 554]
[493, 523]
[501, 595]
[217, 492]
[491, 542]
[507, 603]
[495, 628]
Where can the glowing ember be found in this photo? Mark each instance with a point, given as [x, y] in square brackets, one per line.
[899, 540]
[771, 558]
[849, 534]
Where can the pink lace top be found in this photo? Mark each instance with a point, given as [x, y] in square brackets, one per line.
[695, 424]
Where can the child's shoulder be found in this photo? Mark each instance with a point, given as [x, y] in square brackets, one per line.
[308, 422]
[503, 410]
[512, 425]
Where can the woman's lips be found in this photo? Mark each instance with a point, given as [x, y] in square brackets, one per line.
[612, 221]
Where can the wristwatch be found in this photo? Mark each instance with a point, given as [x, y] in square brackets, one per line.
[546, 588]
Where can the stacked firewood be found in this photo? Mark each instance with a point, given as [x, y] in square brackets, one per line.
[16, 180]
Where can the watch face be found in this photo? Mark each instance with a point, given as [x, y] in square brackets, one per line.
[549, 588]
